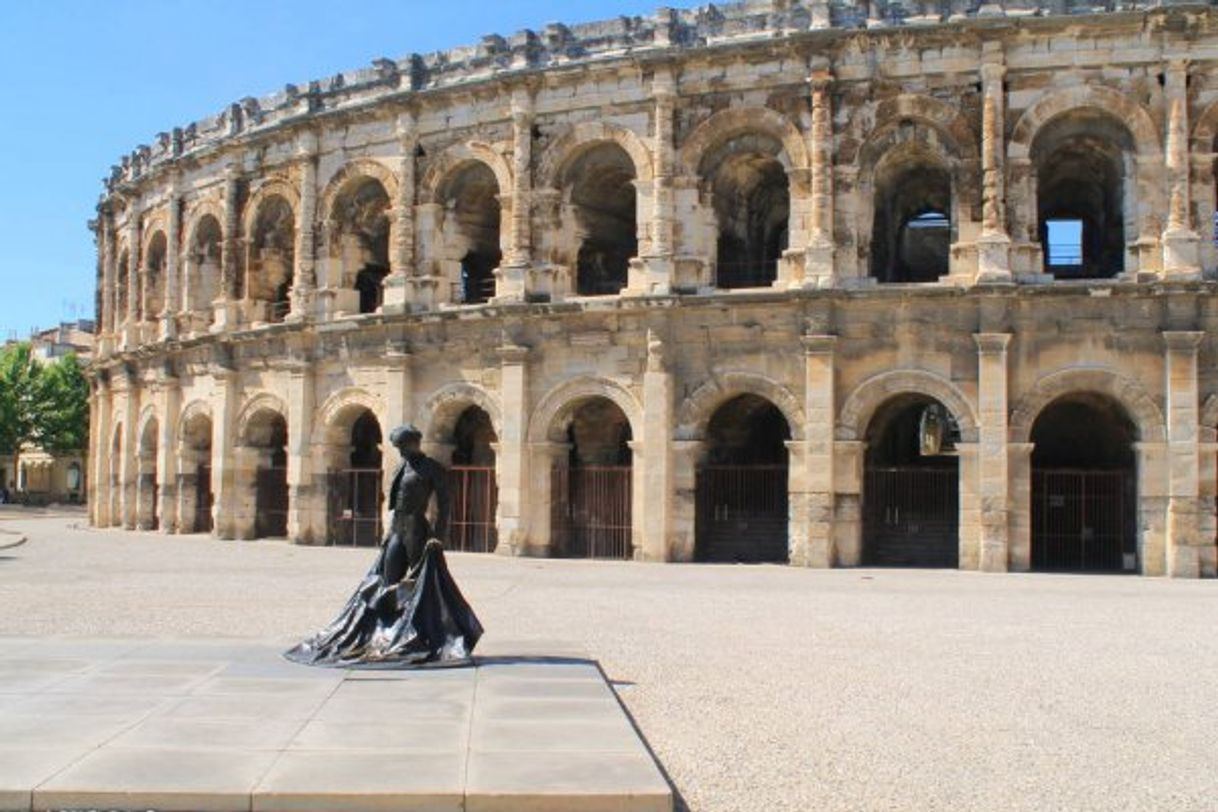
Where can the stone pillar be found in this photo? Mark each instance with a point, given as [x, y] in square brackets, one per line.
[1181, 261]
[173, 252]
[402, 226]
[226, 305]
[1019, 458]
[106, 244]
[686, 457]
[399, 406]
[655, 273]
[167, 454]
[1184, 503]
[968, 466]
[306, 507]
[511, 278]
[820, 411]
[129, 462]
[226, 404]
[848, 460]
[653, 462]
[304, 275]
[993, 471]
[1154, 496]
[818, 257]
[994, 244]
[543, 457]
[511, 463]
[131, 329]
[100, 437]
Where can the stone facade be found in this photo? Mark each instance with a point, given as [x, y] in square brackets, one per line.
[701, 247]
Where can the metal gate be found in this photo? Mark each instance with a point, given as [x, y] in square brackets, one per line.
[591, 511]
[474, 496]
[271, 503]
[203, 498]
[911, 517]
[1083, 521]
[741, 513]
[355, 500]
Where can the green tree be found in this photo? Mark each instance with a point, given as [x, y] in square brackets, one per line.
[62, 413]
[20, 374]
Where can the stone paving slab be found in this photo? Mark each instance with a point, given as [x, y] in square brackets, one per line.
[229, 726]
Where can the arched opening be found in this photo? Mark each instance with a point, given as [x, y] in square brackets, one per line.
[470, 201]
[1084, 162]
[115, 475]
[146, 479]
[154, 277]
[361, 223]
[272, 257]
[473, 490]
[356, 491]
[1084, 486]
[591, 488]
[203, 277]
[911, 232]
[601, 195]
[266, 440]
[741, 487]
[194, 478]
[911, 485]
[121, 291]
[751, 195]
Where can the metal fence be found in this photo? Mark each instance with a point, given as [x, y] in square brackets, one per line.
[203, 499]
[356, 498]
[1083, 520]
[271, 502]
[591, 507]
[741, 513]
[475, 497]
[911, 516]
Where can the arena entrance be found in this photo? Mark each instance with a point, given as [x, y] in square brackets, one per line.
[1084, 487]
[741, 490]
[147, 489]
[194, 478]
[267, 436]
[472, 489]
[591, 490]
[356, 491]
[911, 486]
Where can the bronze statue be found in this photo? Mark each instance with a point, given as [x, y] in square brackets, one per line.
[407, 611]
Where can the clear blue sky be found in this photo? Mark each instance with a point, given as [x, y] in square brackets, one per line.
[85, 82]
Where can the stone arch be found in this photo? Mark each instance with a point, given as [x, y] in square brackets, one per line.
[1128, 392]
[861, 405]
[1209, 417]
[192, 410]
[736, 121]
[447, 163]
[329, 426]
[696, 411]
[1205, 130]
[154, 226]
[445, 406]
[585, 135]
[947, 121]
[561, 401]
[352, 173]
[273, 187]
[260, 402]
[1101, 99]
[147, 415]
[195, 214]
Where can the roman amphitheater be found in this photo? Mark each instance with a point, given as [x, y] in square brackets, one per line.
[904, 283]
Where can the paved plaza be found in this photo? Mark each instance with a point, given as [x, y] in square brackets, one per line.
[757, 688]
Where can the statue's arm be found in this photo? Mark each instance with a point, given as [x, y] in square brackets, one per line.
[439, 484]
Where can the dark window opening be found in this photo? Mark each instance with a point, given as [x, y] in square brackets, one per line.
[603, 200]
[912, 231]
[752, 202]
[371, 291]
[478, 276]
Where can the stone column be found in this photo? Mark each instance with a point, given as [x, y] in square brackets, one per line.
[655, 273]
[173, 252]
[167, 453]
[994, 468]
[653, 468]
[226, 404]
[306, 508]
[399, 405]
[106, 246]
[1155, 483]
[1184, 501]
[226, 305]
[1019, 457]
[511, 278]
[402, 228]
[511, 463]
[994, 244]
[818, 257]
[99, 435]
[848, 460]
[131, 329]
[1180, 243]
[129, 463]
[304, 275]
[820, 412]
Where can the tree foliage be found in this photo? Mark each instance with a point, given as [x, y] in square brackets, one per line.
[44, 405]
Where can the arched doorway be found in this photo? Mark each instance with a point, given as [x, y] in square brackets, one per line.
[204, 259]
[271, 261]
[468, 226]
[356, 492]
[146, 489]
[473, 490]
[751, 196]
[601, 195]
[1084, 486]
[741, 488]
[116, 477]
[266, 435]
[194, 477]
[360, 219]
[911, 485]
[912, 232]
[591, 492]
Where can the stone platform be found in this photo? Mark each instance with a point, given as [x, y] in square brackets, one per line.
[210, 726]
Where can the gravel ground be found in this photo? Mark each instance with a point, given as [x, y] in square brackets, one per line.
[759, 688]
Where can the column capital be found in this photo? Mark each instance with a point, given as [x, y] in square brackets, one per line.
[1182, 340]
[818, 344]
[512, 353]
[992, 343]
[820, 79]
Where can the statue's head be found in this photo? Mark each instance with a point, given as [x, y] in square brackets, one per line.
[407, 439]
